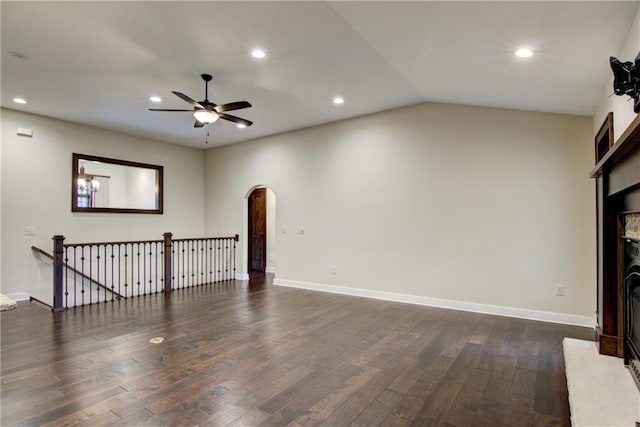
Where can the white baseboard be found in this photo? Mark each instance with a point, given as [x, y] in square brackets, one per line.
[270, 270]
[19, 296]
[521, 313]
[242, 276]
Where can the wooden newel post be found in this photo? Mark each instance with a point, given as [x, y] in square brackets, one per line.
[167, 262]
[58, 268]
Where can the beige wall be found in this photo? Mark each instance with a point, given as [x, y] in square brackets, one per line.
[621, 107]
[36, 191]
[481, 205]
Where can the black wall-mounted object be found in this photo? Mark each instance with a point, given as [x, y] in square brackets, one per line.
[626, 79]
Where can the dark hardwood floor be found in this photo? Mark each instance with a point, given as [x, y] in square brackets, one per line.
[245, 355]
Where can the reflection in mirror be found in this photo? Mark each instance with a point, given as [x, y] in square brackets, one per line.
[109, 185]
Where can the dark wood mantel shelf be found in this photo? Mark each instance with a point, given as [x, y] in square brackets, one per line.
[626, 143]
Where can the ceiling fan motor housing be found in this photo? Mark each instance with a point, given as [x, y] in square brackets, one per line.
[206, 112]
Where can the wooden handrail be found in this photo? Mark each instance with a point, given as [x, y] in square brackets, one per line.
[193, 239]
[100, 285]
[41, 252]
[129, 242]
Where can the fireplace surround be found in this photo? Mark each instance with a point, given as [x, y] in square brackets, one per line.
[617, 174]
[632, 307]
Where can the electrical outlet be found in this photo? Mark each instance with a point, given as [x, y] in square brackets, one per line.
[29, 231]
[300, 230]
[334, 269]
[560, 290]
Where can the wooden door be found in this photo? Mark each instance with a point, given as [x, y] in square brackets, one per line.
[257, 230]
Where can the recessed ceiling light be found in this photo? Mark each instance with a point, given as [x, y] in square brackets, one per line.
[155, 99]
[19, 101]
[241, 126]
[338, 100]
[524, 53]
[258, 53]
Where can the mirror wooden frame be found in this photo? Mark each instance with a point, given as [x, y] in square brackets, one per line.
[76, 158]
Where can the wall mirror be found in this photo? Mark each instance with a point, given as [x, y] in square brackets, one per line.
[100, 184]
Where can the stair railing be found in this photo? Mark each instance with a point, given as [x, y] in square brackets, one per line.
[89, 273]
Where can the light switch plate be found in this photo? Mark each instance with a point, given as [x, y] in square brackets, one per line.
[25, 132]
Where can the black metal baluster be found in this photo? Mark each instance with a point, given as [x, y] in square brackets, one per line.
[210, 242]
[138, 266]
[201, 261]
[106, 283]
[113, 279]
[91, 276]
[120, 291]
[193, 255]
[199, 270]
[187, 270]
[226, 259]
[177, 257]
[175, 269]
[161, 281]
[222, 263]
[234, 259]
[75, 277]
[186, 266]
[66, 277]
[144, 269]
[155, 249]
[83, 276]
[183, 262]
[150, 267]
[126, 273]
[218, 253]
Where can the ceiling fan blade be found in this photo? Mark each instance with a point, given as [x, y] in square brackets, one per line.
[232, 106]
[164, 109]
[235, 119]
[198, 124]
[187, 99]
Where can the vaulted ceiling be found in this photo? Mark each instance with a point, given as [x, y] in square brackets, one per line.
[98, 63]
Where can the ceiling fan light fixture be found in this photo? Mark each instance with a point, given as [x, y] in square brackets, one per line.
[206, 116]
[241, 126]
[155, 99]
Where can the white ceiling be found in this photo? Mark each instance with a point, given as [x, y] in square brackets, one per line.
[97, 63]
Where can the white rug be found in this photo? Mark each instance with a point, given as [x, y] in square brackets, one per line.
[6, 303]
[601, 390]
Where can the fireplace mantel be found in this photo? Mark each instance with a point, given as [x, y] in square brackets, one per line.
[617, 174]
[628, 142]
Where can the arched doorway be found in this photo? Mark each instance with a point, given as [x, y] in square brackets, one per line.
[257, 232]
[260, 241]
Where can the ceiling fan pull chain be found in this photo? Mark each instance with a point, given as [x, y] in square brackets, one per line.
[206, 140]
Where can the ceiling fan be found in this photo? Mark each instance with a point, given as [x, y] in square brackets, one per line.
[206, 112]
